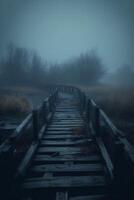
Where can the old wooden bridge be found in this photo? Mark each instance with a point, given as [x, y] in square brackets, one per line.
[67, 149]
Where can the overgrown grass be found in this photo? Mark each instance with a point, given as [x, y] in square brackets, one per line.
[20, 89]
[10, 104]
[117, 102]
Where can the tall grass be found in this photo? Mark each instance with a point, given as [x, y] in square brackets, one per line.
[116, 101]
[10, 104]
[118, 104]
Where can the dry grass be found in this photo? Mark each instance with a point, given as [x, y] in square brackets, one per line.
[10, 104]
[20, 89]
[17, 100]
[118, 103]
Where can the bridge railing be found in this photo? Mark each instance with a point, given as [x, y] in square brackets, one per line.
[102, 126]
[116, 150]
[27, 133]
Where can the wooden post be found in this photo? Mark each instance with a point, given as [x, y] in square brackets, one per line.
[56, 96]
[50, 103]
[84, 101]
[120, 184]
[35, 125]
[97, 120]
[81, 101]
[88, 109]
[44, 111]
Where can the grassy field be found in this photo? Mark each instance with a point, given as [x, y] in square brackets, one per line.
[11, 104]
[117, 102]
[20, 100]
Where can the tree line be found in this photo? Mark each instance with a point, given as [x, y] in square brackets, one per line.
[22, 67]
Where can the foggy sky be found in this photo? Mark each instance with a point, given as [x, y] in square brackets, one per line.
[60, 29]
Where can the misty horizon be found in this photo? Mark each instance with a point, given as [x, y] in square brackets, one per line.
[60, 30]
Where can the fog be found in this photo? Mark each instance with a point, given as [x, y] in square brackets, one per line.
[59, 30]
[21, 67]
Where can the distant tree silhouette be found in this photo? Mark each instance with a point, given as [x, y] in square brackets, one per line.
[124, 76]
[21, 67]
[14, 69]
[37, 73]
[87, 69]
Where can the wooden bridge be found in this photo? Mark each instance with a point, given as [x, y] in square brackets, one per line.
[67, 149]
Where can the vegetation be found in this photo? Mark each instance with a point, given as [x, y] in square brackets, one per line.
[14, 105]
[22, 67]
[117, 102]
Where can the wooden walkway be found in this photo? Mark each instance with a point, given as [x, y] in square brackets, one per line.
[67, 149]
[67, 164]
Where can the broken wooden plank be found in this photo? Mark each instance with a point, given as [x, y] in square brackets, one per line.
[29, 155]
[68, 168]
[62, 128]
[65, 158]
[78, 142]
[106, 157]
[59, 149]
[64, 122]
[63, 137]
[68, 125]
[64, 182]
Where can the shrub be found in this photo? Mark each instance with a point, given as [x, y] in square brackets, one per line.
[14, 104]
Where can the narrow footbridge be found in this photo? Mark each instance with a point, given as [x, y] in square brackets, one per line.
[67, 149]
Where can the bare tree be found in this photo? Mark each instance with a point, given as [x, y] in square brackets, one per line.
[37, 72]
[86, 69]
[124, 76]
[15, 65]
[19, 68]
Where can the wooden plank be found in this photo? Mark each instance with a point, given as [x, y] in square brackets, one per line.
[62, 196]
[60, 149]
[106, 157]
[67, 125]
[68, 114]
[64, 182]
[63, 137]
[29, 155]
[65, 158]
[68, 110]
[74, 113]
[68, 168]
[66, 117]
[89, 197]
[66, 107]
[67, 121]
[129, 149]
[56, 132]
[63, 128]
[26, 161]
[78, 142]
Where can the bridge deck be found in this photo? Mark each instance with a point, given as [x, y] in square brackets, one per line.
[67, 163]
